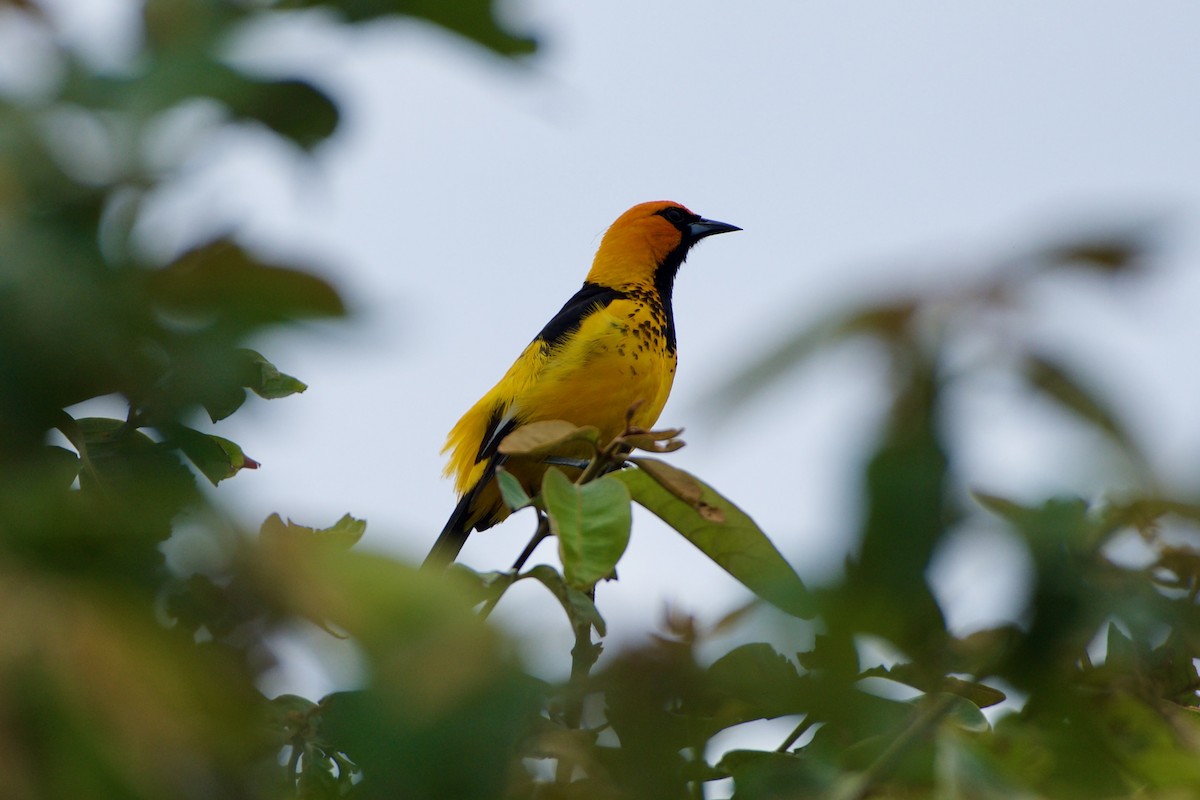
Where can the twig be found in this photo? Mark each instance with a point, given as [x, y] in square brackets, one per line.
[542, 531]
[796, 733]
[926, 719]
[583, 656]
[696, 787]
[294, 762]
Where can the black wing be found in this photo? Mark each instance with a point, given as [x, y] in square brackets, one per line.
[569, 317]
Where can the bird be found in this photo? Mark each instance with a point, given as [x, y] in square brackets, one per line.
[606, 359]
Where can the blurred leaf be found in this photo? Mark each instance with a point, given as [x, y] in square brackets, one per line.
[221, 399]
[198, 604]
[1003, 507]
[292, 108]
[99, 701]
[1144, 514]
[907, 512]
[962, 712]
[215, 457]
[1120, 652]
[1056, 382]
[981, 651]
[664, 441]
[591, 522]
[644, 692]
[127, 467]
[764, 683]
[547, 437]
[222, 279]
[762, 775]
[885, 320]
[511, 490]
[579, 607]
[290, 713]
[1182, 563]
[187, 27]
[205, 371]
[1073, 592]
[342, 535]
[833, 654]
[64, 464]
[473, 19]
[966, 770]
[728, 536]
[1108, 252]
[442, 681]
[265, 379]
[980, 695]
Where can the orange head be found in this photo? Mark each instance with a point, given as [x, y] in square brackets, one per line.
[648, 243]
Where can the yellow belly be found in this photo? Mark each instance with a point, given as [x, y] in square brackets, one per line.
[616, 360]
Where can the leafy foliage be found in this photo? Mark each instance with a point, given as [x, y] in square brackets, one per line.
[120, 677]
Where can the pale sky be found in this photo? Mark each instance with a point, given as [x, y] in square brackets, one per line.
[861, 147]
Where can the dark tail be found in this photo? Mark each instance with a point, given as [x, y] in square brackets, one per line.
[452, 538]
[454, 535]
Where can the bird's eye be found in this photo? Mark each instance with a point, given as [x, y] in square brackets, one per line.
[673, 215]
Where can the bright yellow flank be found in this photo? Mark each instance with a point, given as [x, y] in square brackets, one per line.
[612, 345]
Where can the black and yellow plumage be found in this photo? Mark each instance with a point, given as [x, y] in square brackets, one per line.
[609, 348]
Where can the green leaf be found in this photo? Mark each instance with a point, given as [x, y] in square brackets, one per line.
[342, 535]
[215, 457]
[548, 437]
[473, 19]
[1046, 528]
[965, 769]
[762, 680]
[292, 108]
[664, 441]
[222, 382]
[289, 714]
[961, 713]
[1174, 669]
[579, 607]
[222, 401]
[724, 533]
[908, 510]
[62, 464]
[264, 378]
[1056, 381]
[222, 279]
[1121, 653]
[125, 461]
[905, 486]
[591, 522]
[980, 694]
[767, 774]
[511, 490]
[679, 483]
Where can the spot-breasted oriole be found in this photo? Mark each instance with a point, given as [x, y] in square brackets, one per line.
[609, 349]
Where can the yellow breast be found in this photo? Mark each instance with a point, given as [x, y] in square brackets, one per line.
[618, 357]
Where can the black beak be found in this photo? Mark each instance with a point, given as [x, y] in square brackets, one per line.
[709, 227]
